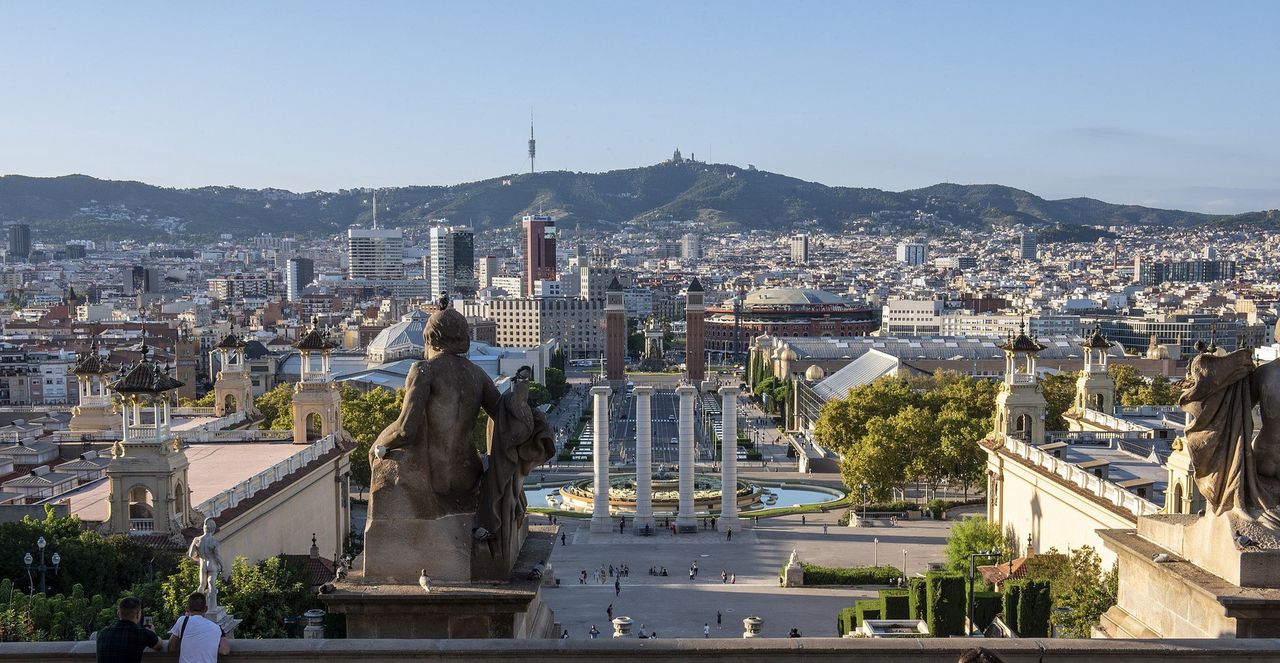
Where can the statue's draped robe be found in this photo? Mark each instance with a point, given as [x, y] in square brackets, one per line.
[519, 441]
[1219, 438]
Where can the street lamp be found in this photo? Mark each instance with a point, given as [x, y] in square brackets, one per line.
[862, 487]
[993, 553]
[875, 552]
[904, 564]
[28, 561]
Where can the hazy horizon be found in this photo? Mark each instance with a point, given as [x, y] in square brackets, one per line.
[1162, 104]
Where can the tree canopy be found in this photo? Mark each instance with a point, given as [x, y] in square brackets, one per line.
[896, 430]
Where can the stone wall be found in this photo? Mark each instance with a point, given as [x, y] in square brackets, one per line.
[676, 651]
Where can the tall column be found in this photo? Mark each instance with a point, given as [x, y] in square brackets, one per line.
[685, 519]
[644, 459]
[729, 460]
[600, 521]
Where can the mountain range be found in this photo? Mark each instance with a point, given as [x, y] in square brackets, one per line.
[720, 196]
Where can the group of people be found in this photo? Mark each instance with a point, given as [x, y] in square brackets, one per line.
[193, 637]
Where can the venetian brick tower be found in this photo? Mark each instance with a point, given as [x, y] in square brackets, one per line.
[695, 311]
[615, 328]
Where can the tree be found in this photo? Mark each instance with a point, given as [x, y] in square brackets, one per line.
[538, 394]
[1059, 392]
[1127, 380]
[1159, 391]
[262, 595]
[971, 535]
[556, 383]
[207, 400]
[880, 458]
[843, 421]
[364, 416]
[1079, 584]
[276, 407]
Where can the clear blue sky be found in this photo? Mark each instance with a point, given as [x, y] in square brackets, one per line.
[1160, 103]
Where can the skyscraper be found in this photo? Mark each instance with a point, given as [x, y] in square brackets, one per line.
[800, 248]
[464, 257]
[440, 266]
[375, 253]
[20, 241]
[691, 246]
[1028, 246]
[488, 270]
[912, 253]
[539, 251]
[298, 274]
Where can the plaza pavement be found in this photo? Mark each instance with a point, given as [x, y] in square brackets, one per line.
[677, 607]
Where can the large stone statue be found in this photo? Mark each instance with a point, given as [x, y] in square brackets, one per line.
[1238, 473]
[425, 505]
[206, 550]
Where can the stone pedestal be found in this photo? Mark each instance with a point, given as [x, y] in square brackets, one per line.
[644, 460]
[728, 460]
[395, 550]
[600, 520]
[793, 576]
[751, 627]
[512, 609]
[1207, 587]
[622, 627]
[686, 521]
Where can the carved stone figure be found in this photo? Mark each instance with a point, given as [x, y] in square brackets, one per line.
[426, 512]
[206, 550]
[1236, 472]
[519, 440]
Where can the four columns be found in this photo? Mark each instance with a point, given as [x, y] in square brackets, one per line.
[644, 458]
[600, 520]
[728, 460]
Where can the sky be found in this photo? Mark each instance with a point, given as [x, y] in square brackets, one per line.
[1168, 104]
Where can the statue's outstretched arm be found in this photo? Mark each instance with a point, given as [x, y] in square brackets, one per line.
[490, 400]
[193, 551]
[405, 427]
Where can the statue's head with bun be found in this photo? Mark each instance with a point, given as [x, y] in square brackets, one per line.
[447, 331]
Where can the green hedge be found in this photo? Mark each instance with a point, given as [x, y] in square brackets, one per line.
[895, 604]
[849, 575]
[1010, 596]
[918, 603]
[945, 600]
[845, 621]
[565, 455]
[865, 609]
[986, 605]
[1034, 607]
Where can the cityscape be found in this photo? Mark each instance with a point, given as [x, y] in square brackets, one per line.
[557, 393]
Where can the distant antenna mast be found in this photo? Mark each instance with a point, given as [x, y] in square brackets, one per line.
[375, 209]
[533, 144]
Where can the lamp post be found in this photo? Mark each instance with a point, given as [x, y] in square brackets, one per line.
[904, 563]
[993, 553]
[875, 552]
[862, 487]
[29, 562]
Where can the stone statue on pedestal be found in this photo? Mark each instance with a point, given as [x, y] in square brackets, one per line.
[206, 550]
[1238, 473]
[436, 503]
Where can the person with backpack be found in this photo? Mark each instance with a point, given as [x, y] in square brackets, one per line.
[194, 638]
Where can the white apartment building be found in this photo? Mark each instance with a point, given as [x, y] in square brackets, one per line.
[902, 317]
[440, 261]
[375, 253]
[531, 321]
[912, 253]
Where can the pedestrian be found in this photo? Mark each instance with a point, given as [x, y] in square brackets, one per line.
[609, 611]
[643, 634]
[713, 522]
[562, 538]
[691, 575]
[617, 587]
[706, 630]
[195, 638]
[824, 528]
[733, 578]
[123, 641]
[565, 635]
[795, 633]
[610, 570]
[718, 623]
[724, 577]
[595, 632]
[802, 519]
[728, 536]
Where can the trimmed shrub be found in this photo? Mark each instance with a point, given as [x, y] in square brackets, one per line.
[845, 621]
[917, 599]
[850, 575]
[986, 605]
[1034, 608]
[565, 454]
[865, 609]
[1009, 604]
[945, 600]
[896, 604]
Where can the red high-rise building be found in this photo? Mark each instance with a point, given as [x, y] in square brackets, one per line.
[695, 310]
[615, 330]
[539, 251]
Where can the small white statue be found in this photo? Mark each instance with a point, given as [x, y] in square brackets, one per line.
[206, 550]
[795, 559]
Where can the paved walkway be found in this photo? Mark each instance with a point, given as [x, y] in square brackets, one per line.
[678, 607]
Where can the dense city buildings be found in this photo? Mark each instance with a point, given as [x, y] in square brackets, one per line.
[539, 250]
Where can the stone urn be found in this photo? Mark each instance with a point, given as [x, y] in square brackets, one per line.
[751, 627]
[622, 627]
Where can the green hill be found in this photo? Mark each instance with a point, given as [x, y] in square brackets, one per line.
[77, 206]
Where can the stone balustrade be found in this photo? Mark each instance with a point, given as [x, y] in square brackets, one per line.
[749, 650]
[1071, 473]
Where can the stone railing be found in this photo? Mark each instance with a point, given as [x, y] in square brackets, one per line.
[1115, 423]
[1083, 479]
[232, 496]
[746, 650]
[188, 436]
[194, 411]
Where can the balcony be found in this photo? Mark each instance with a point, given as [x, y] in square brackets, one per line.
[142, 525]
